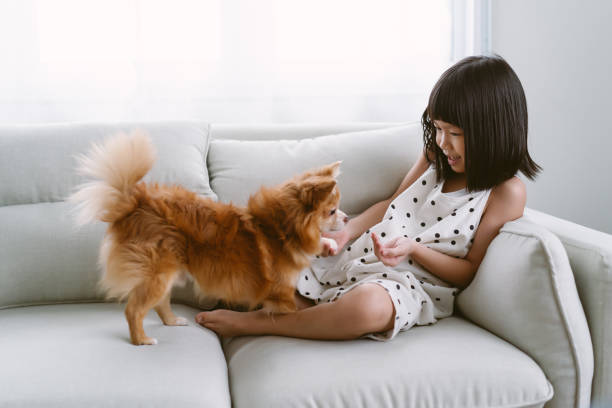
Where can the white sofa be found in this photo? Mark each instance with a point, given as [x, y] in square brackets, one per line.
[530, 330]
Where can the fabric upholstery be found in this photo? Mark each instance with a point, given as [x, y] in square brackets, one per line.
[37, 162]
[590, 257]
[44, 257]
[292, 131]
[79, 356]
[450, 364]
[238, 168]
[524, 292]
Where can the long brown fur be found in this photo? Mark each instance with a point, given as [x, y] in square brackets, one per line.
[247, 256]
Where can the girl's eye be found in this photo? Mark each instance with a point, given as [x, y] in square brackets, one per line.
[456, 134]
[332, 212]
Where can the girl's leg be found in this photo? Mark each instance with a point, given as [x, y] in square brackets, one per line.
[302, 303]
[364, 309]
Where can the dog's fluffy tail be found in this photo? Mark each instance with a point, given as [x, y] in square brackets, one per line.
[116, 166]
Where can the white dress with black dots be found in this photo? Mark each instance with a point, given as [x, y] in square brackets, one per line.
[445, 222]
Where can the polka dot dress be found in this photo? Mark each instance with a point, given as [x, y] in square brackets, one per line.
[445, 222]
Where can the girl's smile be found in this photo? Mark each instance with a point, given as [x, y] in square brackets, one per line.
[450, 139]
[453, 162]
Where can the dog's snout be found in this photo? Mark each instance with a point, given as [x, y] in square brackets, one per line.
[342, 217]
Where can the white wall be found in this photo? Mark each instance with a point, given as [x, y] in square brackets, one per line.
[562, 52]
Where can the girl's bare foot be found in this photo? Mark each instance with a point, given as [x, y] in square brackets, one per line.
[228, 323]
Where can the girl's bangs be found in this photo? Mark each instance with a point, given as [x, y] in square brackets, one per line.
[444, 105]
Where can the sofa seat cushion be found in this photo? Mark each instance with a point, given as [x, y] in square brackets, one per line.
[453, 363]
[79, 355]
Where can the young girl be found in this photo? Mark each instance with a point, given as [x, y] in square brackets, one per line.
[414, 251]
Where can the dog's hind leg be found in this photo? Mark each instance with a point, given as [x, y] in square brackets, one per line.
[142, 299]
[165, 313]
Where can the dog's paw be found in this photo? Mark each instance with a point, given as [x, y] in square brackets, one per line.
[145, 341]
[174, 321]
[331, 243]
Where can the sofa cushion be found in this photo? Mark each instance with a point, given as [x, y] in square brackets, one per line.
[79, 356]
[37, 162]
[45, 258]
[292, 131]
[525, 293]
[590, 257]
[450, 364]
[374, 162]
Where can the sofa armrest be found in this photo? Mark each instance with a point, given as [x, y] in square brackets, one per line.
[525, 293]
[590, 256]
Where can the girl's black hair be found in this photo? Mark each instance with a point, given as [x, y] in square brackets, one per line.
[483, 96]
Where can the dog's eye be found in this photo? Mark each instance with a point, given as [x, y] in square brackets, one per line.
[332, 212]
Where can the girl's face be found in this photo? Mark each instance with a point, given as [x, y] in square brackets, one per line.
[450, 139]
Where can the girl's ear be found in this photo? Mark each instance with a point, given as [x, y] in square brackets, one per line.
[316, 189]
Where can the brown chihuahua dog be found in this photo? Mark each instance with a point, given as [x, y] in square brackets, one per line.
[246, 256]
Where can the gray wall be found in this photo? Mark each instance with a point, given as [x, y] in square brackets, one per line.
[562, 52]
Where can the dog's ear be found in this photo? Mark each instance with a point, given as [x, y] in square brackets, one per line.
[316, 189]
[335, 168]
[330, 170]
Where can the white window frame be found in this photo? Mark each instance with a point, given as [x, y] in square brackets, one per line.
[471, 28]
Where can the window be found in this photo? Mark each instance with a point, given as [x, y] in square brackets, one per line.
[229, 61]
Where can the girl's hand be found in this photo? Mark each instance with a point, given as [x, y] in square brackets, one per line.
[341, 237]
[393, 252]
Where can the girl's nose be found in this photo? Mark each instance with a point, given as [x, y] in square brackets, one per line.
[443, 141]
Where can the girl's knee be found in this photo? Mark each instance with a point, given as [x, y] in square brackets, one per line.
[372, 308]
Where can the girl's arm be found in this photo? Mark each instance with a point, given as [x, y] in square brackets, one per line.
[374, 214]
[506, 203]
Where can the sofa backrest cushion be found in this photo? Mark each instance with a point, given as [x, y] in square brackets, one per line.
[37, 161]
[524, 292]
[44, 258]
[292, 131]
[374, 163]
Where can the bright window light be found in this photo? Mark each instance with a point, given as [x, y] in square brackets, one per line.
[231, 61]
